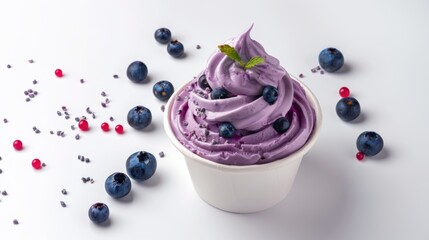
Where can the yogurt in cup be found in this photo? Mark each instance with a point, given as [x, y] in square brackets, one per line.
[254, 168]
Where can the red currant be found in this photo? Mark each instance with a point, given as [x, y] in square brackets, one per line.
[59, 73]
[83, 125]
[360, 156]
[105, 127]
[36, 163]
[17, 144]
[119, 129]
[344, 92]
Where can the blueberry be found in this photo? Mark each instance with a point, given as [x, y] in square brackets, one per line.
[137, 72]
[139, 117]
[141, 165]
[162, 35]
[175, 49]
[369, 143]
[270, 94]
[281, 125]
[331, 59]
[117, 185]
[226, 130]
[219, 93]
[202, 82]
[98, 213]
[348, 109]
[163, 90]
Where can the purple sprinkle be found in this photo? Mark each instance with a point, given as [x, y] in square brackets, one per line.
[66, 116]
[84, 117]
[5, 120]
[63, 134]
[64, 191]
[103, 94]
[162, 108]
[87, 160]
[51, 132]
[313, 70]
[43, 164]
[27, 99]
[77, 137]
[1, 171]
[35, 92]
[59, 113]
[301, 75]
[107, 100]
[88, 110]
[15, 222]
[103, 104]
[4, 193]
[31, 61]
[83, 179]
[198, 46]
[30, 90]
[91, 180]
[178, 98]
[115, 76]
[37, 131]
[25, 93]
[82, 81]
[31, 95]
[318, 68]
[111, 119]
[63, 204]
[64, 108]
[66, 113]
[322, 72]
[77, 119]
[34, 81]
[179, 112]
[72, 127]
[93, 115]
[8, 66]
[161, 154]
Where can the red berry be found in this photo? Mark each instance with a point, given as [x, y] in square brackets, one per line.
[59, 73]
[36, 163]
[119, 129]
[105, 127]
[344, 92]
[17, 144]
[360, 156]
[83, 125]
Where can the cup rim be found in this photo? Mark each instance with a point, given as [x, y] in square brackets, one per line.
[254, 167]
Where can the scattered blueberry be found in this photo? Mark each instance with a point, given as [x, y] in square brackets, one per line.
[137, 72]
[98, 213]
[331, 59]
[219, 93]
[117, 185]
[281, 125]
[203, 83]
[348, 109]
[369, 143]
[270, 94]
[141, 165]
[175, 49]
[139, 117]
[163, 90]
[226, 130]
[163, 35]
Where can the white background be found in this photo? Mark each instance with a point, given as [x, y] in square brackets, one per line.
[385, 44]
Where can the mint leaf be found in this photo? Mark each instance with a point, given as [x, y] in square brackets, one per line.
[231, 53]
[253, 62]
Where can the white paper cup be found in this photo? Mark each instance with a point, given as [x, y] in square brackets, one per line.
[243, 189]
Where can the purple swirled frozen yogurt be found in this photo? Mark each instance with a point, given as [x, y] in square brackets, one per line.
[195, 116]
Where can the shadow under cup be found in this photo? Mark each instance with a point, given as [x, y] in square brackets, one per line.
[243, 189]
